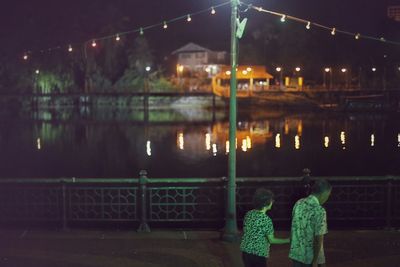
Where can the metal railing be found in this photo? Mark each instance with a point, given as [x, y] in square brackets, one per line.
[192, 202]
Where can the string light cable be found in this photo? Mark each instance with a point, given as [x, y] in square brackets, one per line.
[309, 23]
[117, 36]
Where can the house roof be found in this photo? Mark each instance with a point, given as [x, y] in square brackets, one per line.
[191, 47]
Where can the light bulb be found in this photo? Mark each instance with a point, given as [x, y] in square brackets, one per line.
[141, 31]
[70, 48]
[357, 36]
[94, 44]
[283, 18]
[117, 38]
[213, 11]
[189, 19]
[308, 26]
[165, 25]
[333, 32]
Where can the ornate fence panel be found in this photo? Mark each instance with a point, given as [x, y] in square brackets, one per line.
[102, 203]
[186, 203]
[25, 202]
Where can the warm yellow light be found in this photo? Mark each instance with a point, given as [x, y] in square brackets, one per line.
[208, 141]
[181, 141]
[244, 145]
[357, 36]
[327, 69]
[208, 70]
[248, 140]
[249, 69]
[38, 143]
[228, 72]
[298, 69]
[214, 149]
[148, 148]
[326, 141]
[244, 72]
[278, 140]
[372, 139]
[297, 142]
[278, 69]
[227, 147]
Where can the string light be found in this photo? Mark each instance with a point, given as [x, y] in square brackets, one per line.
[25, 57]
[373, 69]
[37, 71]
[117, 38]
[94, 44]
[165, 25]
[189, 19]
[70, 48]
[141, 31]
[333, 30]
[357, 36]
[213, 11]
[308, 26]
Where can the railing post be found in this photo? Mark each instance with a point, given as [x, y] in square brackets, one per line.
[64, 205]
[143, 227]
[389, 202]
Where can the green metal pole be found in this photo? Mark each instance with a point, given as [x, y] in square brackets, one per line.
[230, 231]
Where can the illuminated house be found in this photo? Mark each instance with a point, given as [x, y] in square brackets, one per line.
[195, 60]
[250, 79]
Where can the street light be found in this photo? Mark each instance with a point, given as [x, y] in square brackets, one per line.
[279, 69]
[327, 70]
[344, 71]
[298, 69]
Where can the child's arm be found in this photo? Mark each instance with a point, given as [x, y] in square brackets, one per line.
[273, 240]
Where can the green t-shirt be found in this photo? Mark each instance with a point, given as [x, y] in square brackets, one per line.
[256, 227]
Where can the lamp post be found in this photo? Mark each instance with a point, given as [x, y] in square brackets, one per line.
[344, 71]
[230, 232]
[279, 69]
[326, 70]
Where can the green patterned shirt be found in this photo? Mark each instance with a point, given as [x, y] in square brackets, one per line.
[308, 221]
[256, 227]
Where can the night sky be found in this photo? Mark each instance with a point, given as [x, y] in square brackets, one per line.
[39, 24]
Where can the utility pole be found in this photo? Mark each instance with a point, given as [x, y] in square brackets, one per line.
[230, 232]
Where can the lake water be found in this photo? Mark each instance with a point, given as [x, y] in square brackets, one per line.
[193, 143]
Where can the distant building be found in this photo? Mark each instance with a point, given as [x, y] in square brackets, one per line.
[393, 12]
[194, 59]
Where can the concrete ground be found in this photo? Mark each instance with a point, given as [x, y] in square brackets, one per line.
[84, 248]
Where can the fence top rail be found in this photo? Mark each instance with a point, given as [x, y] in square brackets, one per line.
[187, 180]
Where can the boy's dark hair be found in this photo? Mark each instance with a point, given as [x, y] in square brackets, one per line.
[262, 197]
[320, 186]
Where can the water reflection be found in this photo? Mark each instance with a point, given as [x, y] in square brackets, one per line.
[267, 144]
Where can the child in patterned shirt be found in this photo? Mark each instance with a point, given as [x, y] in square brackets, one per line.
[258, 231]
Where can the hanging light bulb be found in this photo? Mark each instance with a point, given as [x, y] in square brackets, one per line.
[70, 48]
[25, 57]
[165, 25]
[37, 71]
[357, 36]
[283, 18]
[94, 44]
[141, 31]
[117, 38]
[213, 11]
[308, 26]
[189, 19]
[333, 32]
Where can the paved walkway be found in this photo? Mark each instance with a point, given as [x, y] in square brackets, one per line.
[75, 248]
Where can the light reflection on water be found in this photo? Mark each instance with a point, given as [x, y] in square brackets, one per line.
[267, 145]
